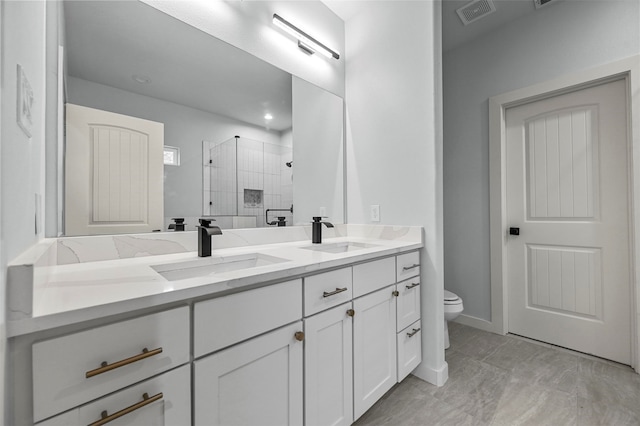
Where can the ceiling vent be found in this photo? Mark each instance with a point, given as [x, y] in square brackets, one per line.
[540, 3]
[477, 9]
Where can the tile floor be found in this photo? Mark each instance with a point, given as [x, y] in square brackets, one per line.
[508, 381]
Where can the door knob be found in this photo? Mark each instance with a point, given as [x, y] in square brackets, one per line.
[514, 231]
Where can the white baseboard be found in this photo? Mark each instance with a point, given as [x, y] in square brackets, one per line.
[477, 323]
[429, 375]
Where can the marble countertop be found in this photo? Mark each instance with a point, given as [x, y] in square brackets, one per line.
[65, 294]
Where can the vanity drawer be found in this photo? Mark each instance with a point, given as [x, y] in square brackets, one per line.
[409, 349]
[168, 403]
[226, 320]
[408, 265]
[371, 276]
[324, 291]
[70, 370]
[408, 308]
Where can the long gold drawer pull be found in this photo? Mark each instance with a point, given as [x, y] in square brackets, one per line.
[413, 333]
[146, 353]
[407, 268]
[409, 287]
[338, 290]
[106, 418]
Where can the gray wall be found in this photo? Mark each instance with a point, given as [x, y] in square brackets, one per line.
[555, 40]
[184, 128]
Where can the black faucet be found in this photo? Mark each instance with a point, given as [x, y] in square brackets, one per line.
[316, 229]
[178, 225]
[205, 231]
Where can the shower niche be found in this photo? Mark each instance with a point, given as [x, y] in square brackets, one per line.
[242, 178]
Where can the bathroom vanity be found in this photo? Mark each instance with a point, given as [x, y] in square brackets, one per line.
[271, 329]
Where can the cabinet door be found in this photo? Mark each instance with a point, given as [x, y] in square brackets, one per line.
[163, 400]
[328, 369]
[374, 348]
[258, 382]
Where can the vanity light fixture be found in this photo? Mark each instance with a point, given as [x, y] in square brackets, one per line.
[305, 42]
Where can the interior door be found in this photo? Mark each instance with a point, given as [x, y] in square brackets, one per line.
[113, 173]
[567, 198]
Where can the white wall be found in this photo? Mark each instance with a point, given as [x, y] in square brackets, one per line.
[248, 25]
[22, 158]
[393, 144]
[184, 127]
[555, 40]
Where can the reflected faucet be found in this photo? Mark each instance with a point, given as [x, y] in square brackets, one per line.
[316, 229]
[205, 231]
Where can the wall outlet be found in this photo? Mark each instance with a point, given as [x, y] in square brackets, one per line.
[323, 212]
[375, 213]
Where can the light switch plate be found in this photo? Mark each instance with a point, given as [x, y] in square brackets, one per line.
[375, 213]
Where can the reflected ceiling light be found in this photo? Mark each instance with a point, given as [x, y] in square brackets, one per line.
[268, 116]
[142, 79]
[305, 42]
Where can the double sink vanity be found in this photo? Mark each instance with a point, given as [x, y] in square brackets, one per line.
[269, 330]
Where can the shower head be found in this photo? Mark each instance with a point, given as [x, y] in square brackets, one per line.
[289, 164]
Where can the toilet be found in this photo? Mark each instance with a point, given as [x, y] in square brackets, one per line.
[452, 308]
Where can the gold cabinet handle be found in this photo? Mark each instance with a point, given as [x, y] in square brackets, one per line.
[409, 287]
[408, 268]
[413, 333]
[104, 367]
[299, 335]
[337, 290]
[351, 312]
[396, 293]
[106, 418]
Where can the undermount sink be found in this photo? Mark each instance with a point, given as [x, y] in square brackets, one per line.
[214, 265]
[342, 247]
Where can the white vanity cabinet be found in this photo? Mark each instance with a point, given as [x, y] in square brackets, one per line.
[258, 382]
[316, 350]
[74, 369]
[328, 371]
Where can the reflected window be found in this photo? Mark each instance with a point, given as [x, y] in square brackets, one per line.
[171, 156]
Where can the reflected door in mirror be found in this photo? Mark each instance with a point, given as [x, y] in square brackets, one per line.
[113, 173]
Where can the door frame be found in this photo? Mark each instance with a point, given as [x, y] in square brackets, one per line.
[627, 69]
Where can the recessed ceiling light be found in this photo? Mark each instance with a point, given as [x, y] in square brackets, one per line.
[142, 79]
[268, 116]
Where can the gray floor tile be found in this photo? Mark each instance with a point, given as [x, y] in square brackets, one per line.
[608, 384]
[475, 387]
[592, 413]
[527, 404]
[510, 381]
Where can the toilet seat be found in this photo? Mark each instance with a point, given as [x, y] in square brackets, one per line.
[451, 298]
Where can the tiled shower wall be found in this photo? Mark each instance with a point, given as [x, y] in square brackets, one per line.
[244, 177]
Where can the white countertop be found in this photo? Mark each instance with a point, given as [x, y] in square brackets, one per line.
[71, 293]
